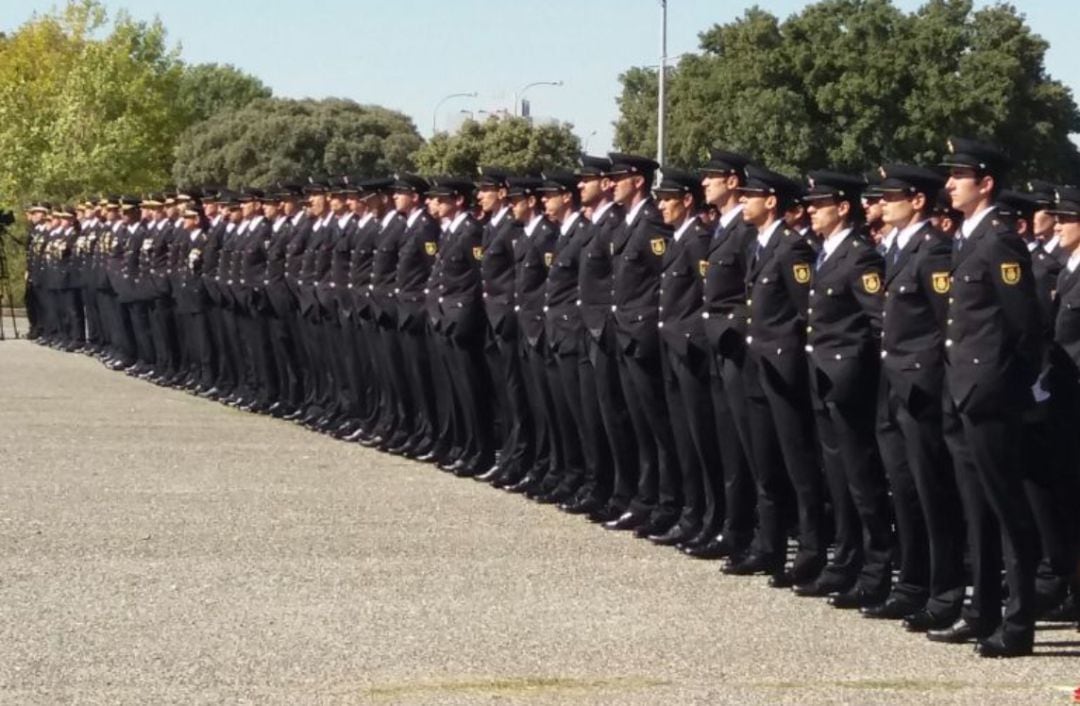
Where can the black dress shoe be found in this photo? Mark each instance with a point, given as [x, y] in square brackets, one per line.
[657, 525]
[822, 586]
[489, 475]
[924, 621]
[752, 564]
[606, 514]
[857, 597]
[1065, 612]
[997, 646]
[712, 549]
[893, 608]
[959, 632]
[627, 521]
[675, 535]
[527, 484]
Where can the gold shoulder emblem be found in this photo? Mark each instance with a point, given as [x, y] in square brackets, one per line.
[871, 282]
[941, 282]
[1010, 272]
[801, 272]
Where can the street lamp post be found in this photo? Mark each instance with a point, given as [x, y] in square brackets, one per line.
[435, 113]
[520, 94]
[661, 108]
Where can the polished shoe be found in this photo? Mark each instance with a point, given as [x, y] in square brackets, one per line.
[712, 549]
[655, 526]
[924, 621]
[675, 535]
[627, 521]
[753, 564]
[892, 608]
[583, 506]
[428, 457]
[857, 598]
[998, 647]
[526, 485]
[371, 441]
[821, 587]
[466, 470]
[452, 466]
[606, 514]
[489, 475]
[959, 632]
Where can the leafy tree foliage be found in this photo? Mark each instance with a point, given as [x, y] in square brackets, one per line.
[514, 143]
[208, 89]
[273, 138]
[854, 83]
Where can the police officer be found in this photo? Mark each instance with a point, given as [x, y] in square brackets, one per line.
[844, 347]
[637, 255]
[781, 422]
[930, 587]
[993, 353]
[686, 355]
[728, 527]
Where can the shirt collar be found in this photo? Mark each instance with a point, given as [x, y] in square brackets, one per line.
[278, 223]
[601, 210]
[568, 224]
[970, 224]
[458, 220]
[255, 221]
[1074, 261]
[365, 219]
[195, 233]
[1049, 245]
[415, 214]
[766, 235]
[727, 218]
[390, 215]
[343, 221]
[530, 228]
[297, 217]
[499, 215]
[832, 242]
[905, 236]
[632, 213]
[683, 228]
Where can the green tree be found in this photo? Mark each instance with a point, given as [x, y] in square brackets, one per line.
[515, 143]
[275, 138]
[208, 89]
[854, 83]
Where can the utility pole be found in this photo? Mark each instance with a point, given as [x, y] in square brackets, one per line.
[661, 108]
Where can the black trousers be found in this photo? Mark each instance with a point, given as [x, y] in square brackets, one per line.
[602, 356]
[785, 461]
[562, 373]
[517, 433]
[735, 516]
[94, 334]
[926, 503]
[417, 370]
[139, 313]
[862, 547]
[689, 405]
[659, 488]
[224, 372]
[598, 480]
[1001, 531]
[470, 382]
[546, 462]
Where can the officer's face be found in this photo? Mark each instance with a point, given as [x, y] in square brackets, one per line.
[488, 198]
[1043, 221]
[1067, 230]
[897, 209]
[672, 208]
[446, 207]
[190, 222]
[317, 205]
[826, 215]
[337, 203]
[249, 208]
[755, 208]
[432, 203]
[556, 205]
[521, 207]
[270, 210]
[626, 185]
[405, 201]
[718, 187]
[288, 206]
[591, 190]
[966, 189]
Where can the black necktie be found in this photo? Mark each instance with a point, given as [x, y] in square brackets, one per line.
[820, 259]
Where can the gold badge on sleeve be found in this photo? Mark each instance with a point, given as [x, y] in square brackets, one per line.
[1010, 272]
[478, 252]
[801, 272]
[431, 247]
[659, 246]
[871, 282]
[941, 282]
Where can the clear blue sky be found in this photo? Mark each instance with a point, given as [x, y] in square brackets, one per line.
[407, 54]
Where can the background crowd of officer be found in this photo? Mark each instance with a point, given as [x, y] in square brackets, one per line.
[882, 369]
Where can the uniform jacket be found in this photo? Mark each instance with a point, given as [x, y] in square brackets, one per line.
[533, 254]
[416, 255]
[725, 312]
[564, 320]
[682, 286]
[497, 271]
[638, 252]
[596, 269]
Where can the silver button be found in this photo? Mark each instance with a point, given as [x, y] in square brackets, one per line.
[948, 342]
[749, 339]
[614, 308]
[546, 307]
[838, 356]
[903, 289]
[704, 314]
[809, 348]
[660, 325]
[975, 361]
[517, 308]
[884, 354]
[779, 351]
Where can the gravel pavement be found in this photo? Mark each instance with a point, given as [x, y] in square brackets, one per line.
[158, 548]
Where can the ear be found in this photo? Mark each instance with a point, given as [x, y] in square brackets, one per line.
[919, 202]
[771, 203]
[844, 209]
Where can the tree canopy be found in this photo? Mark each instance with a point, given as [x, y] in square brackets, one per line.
[274, 138]
[515, 143]
[851, 84]
[208, 89]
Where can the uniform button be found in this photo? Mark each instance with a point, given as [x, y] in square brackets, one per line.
[883, 314]
[516, 308]
[440, 300]
[350, 285]
[809, 310]
[949, 322]
[749, 302]
[731, 316]
[838, 356]
[779, 351]
[809, 348]
[397, 290]
[704, 314]
[333, 285]
[614, 308]
[749, 320]
[809, 329]
[829, 291]
[371, 287]
[749, 340]
[918, 365]
[565, 317]
[948, 343]
[764, 280]
[485, 295]
[660, 325]
[903, 289]
[884, 354]
[811, 292]
[546, 308]
[975, 361]
[579, 302]
[266, 283]
[660, 308]
[950, 300]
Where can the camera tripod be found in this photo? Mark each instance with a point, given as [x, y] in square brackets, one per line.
[6, 292]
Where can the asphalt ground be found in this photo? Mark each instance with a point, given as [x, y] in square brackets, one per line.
[158, 548]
